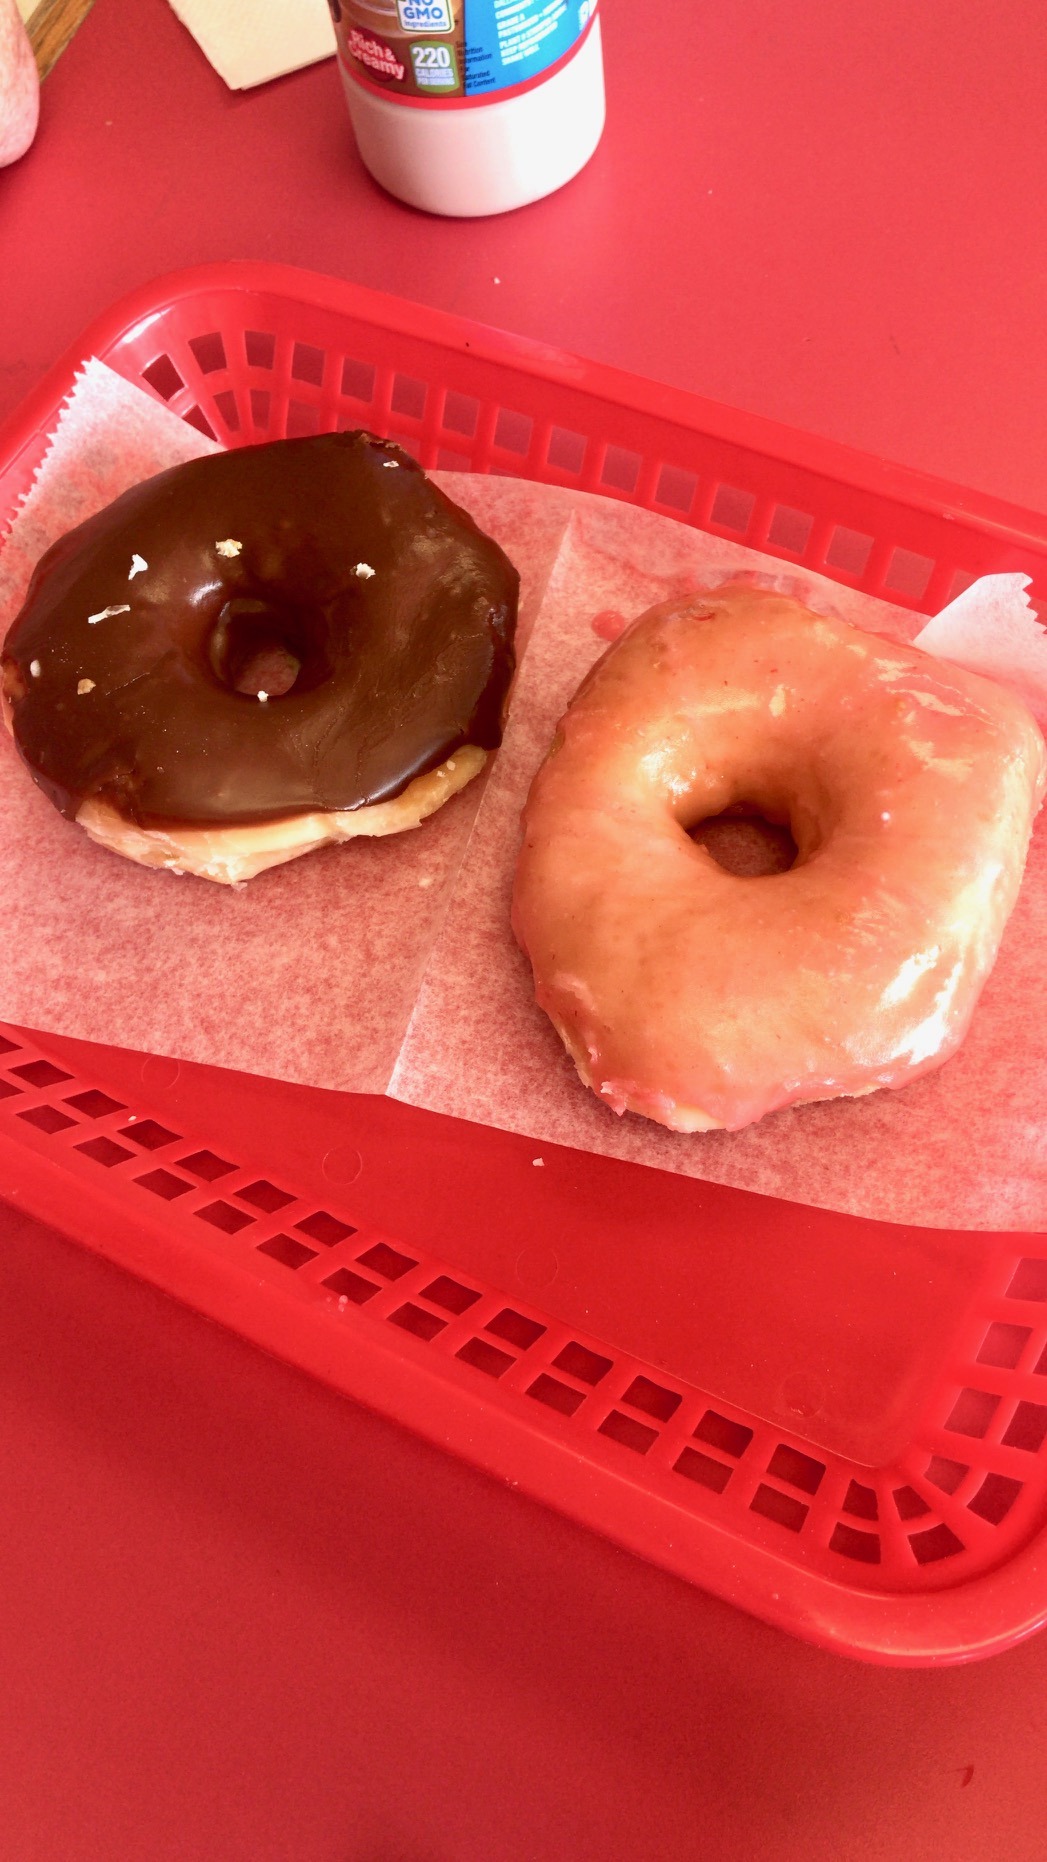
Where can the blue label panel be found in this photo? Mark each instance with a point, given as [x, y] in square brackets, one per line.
[509, 42]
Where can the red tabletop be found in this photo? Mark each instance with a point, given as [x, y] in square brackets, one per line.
[238, 1617]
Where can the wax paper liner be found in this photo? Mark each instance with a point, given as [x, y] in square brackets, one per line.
[390, 965]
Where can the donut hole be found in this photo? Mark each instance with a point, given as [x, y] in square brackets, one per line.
[256, 647]
[744, 841]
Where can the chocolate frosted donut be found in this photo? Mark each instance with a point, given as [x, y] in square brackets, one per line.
[267, 636]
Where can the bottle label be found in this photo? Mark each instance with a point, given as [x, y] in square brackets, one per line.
[457, 52]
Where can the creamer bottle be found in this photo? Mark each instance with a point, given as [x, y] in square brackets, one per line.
[472, 106]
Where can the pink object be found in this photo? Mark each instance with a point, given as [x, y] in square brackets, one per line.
[609, 624]
[849, 1448]
[19, 85]
[701, 1000]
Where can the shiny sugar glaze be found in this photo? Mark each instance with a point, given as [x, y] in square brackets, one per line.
[702, 998]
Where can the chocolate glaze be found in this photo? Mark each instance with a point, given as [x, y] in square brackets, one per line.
[396, 670]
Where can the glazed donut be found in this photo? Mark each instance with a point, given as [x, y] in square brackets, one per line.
[703, 999]
[261, 650]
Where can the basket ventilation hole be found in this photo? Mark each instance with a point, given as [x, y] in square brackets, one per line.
[47, 1119]
[450, 1294]
[415, 1320]
[307, 364]
[225, 402]
[285, 1248]
[387, 1262]
[962, 580]
[350, 1286]
[261, 407]
[908, 574]
[939, 1542]
[163, 377]
[259, 349]
[324, 1228]
[303, 419]
[789, 530]
[358, 380]
[946, 1474]
[40, 1073]
[972, 1412]
[265, 1196]
[732, 1438]
[848, 550]
[148, 1134]
[628, 1432]
[206, 1166]
[909, 1504]
[461, 414]
[802, 1471]
[485, 1357]
[850, 1543]
[703, 1469]
[555, 1395]
[8, 1089]
[1003, 1345]
[861, 1502]
[447, 461]
[515, 1328]
[652, 1398]
[198, 419]
[408, 397]
[1030, 1281]
[676, 488]
[8, 1047]
[513, 431]
[209, 351]
[94, 1104]
[566, 450]
[621, 469]
[162, 1183]
[1027, 1428]
[224, 1216]
[105, 1151]
[780, 1507]
[732, 508]
[995, 1498]
[578, 1361]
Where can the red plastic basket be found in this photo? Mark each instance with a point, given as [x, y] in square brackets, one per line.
[836, 1424]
